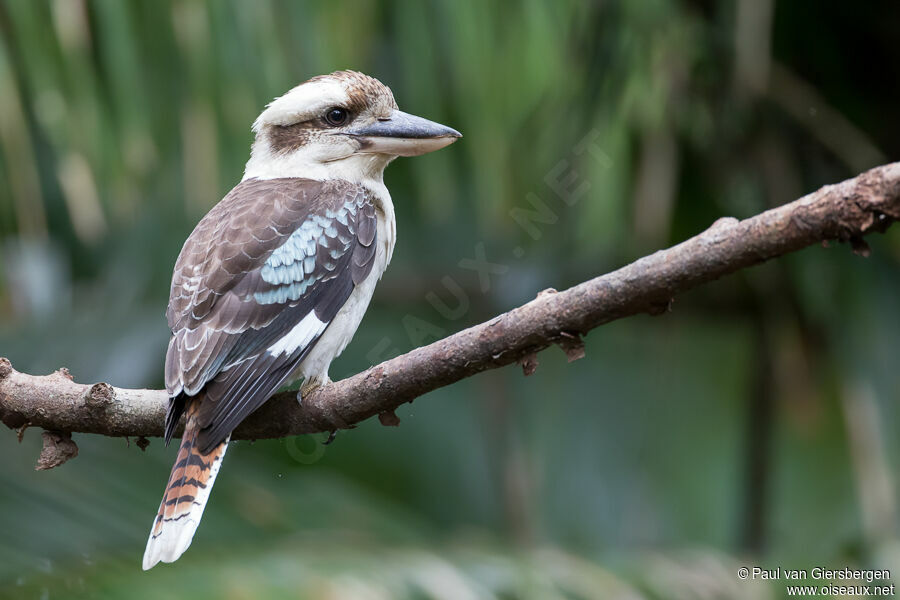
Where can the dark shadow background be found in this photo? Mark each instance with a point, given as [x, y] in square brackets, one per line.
[754, 425]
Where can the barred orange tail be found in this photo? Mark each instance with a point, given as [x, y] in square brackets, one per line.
[182, 505]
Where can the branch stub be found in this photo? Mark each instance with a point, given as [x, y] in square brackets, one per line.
[100, 395]
[5, 368]
[529, 364]
[58, 448]
[389, 418]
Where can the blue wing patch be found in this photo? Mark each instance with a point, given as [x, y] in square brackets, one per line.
[298, 264]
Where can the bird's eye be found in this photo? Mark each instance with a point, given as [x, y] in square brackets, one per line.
[336, 116]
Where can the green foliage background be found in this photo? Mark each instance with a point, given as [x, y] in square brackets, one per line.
[751, 426]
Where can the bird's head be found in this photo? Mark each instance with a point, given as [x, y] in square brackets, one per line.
[343, 125]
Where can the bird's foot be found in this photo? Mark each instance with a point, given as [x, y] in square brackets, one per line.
[311, 384]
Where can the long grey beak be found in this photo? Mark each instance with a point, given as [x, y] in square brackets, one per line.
[403, 134]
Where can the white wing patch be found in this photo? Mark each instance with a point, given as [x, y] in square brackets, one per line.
[301, 335]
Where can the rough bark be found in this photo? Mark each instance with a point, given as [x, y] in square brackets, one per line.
[844, 212]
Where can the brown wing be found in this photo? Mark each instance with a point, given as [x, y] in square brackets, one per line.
[268, 256]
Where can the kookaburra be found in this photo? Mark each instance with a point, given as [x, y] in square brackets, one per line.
[275, 279]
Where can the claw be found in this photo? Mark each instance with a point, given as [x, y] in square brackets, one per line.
[312, 383]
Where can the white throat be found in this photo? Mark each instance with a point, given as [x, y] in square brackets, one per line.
[304, 162]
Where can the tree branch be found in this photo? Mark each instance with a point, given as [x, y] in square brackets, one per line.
[844, 212]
